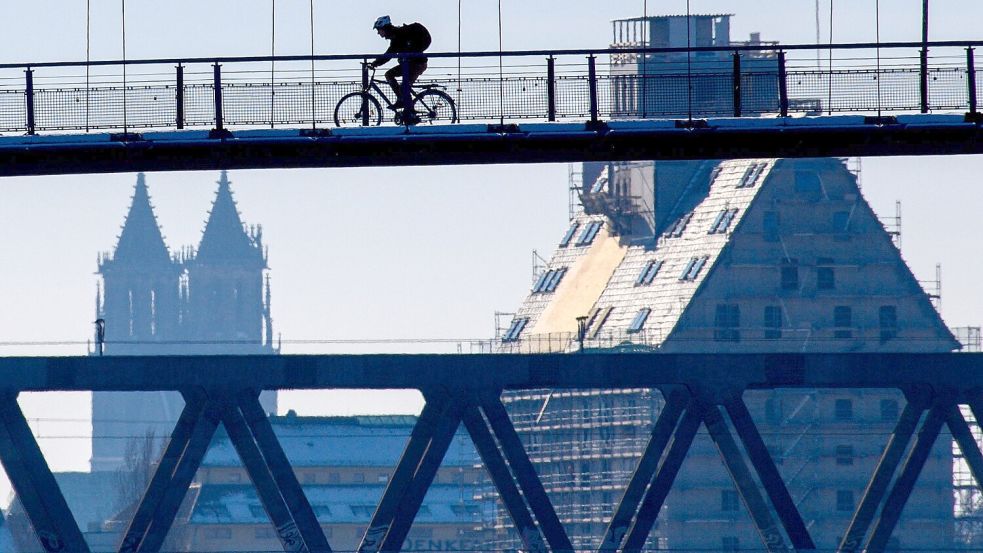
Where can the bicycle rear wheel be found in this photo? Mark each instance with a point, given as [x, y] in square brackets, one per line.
[355, 109]
[435, 106]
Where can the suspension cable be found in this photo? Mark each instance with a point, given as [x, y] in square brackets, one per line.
[123, 23]
[689, 65]
[877, 34]
[501, 78]
[829, 94]
[88, 58]
[459, 50]
[645, 39]
[313, 107]
[272, 58]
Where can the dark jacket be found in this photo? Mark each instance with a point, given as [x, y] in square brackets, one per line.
[406, 39]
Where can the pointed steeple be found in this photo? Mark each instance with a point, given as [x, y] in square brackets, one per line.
[141, 242]
[225, 240]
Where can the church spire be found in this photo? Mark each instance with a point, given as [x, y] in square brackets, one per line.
[141, 243]
[225, 240]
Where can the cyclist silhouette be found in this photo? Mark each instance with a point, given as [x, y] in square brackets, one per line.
[405, 39]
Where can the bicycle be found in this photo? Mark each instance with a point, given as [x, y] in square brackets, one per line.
[430, 104]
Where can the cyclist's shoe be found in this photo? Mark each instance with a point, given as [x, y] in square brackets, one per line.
[397, 105]
[410, 117]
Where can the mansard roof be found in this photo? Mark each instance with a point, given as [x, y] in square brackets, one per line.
[666, 291]
[225, 240]
[141, 243]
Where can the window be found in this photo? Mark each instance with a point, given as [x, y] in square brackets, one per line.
[773, 322]
[825, 278]
[512, 334]
[727, 321]
[751, 174]
[363, 510]
[310, 478]
[466, 509]
[844, 500]
[808, 185]
[263, 533]
[677, 229]
[844, 455]
[589, 233]
[220, 533]
[773, 410]
[639, 321]
[597, 321]
[728, 500]
[730, 543]
[358, 477]
[382, 478]
[569, 235]
[648, 273]
[889, 410]
[334, 478]
[843, 321]
[722, 222]
[769, 226]
[843, 410]
[257, 511]
[693, 268]
[321, 511]
[888, 315]
[549, 280]
[790, 274]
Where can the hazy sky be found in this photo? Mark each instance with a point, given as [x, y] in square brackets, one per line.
[394, 253]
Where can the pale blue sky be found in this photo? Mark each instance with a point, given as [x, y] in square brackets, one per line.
[396, 253]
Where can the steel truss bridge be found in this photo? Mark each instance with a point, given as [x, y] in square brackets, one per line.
[537, 106]
[700, 389]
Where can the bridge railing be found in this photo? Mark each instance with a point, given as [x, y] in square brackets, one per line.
[511, 87]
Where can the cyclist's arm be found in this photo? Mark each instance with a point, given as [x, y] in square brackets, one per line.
[384, 58]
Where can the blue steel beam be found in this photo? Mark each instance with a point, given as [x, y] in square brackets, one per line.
[194, 406]
[967, 443]
[52, 521]
[771, 479]
[435, 409]
[962, 372]
[488, 144]
[628, 506]
[282, 473]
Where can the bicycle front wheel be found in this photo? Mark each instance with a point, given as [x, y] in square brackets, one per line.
[356, 109]
[434, 106]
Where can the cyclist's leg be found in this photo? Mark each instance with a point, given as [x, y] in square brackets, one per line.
[417, 67]
[391, 78]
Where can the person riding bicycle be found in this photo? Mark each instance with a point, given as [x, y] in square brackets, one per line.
[405, 39]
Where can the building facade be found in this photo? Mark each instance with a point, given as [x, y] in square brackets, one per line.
[344, 465]
[757, 255]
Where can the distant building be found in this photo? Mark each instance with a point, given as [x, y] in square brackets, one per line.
[213, 300]
[344, 465]
[755, 255]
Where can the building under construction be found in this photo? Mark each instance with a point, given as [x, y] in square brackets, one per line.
[756, 255]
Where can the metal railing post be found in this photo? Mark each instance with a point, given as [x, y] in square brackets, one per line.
[365, 99]
[405, 96]
[782, 85]
[592, 81]
[971, 77]
[217, 83]
[29, 96]
[737, 84]
[551, 88]
[923, 79]
[179, 98]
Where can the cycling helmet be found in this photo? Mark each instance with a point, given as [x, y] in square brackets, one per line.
[382, 22]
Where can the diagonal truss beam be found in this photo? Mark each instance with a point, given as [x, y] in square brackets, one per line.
[409, 504]
[435, 409]
[658, 490]
[853, 540]
[498, 470]
[905, 482]
[194, 407]
[184, 472]
[525, 473]
[733, 460]
[286, 480]
[771, 479]
[662, 433]
[34, 483]
[967, 443]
